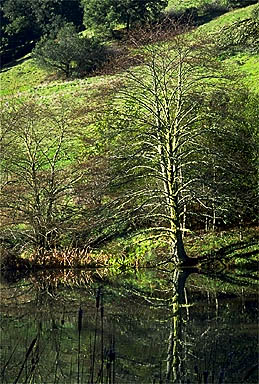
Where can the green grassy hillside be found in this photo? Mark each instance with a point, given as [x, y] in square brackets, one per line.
[25, 77]
[245, 62]
[90, 95]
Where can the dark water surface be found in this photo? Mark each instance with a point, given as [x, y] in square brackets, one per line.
[147, 327]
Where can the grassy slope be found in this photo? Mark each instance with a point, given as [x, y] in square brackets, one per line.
[248, 64]
[26, 78]
[179, 5]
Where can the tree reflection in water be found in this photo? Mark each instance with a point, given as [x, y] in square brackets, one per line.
[174, 366]
[136, 328]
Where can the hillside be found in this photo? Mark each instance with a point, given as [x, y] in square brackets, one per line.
[26, 77]
[66, 142]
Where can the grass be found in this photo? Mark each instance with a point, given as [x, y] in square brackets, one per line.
[249, 65]
[181, 5]
[244, 62]
[204, 244]
[25, 79]
[24, 76]
[227, 19]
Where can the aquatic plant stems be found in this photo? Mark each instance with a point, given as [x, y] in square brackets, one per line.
[26, 358]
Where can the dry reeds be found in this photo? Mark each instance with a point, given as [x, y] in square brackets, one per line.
[69, 258]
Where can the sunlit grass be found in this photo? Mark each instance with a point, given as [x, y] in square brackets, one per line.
[24, 76]
[179, 5]
[249, 65]
[227, 19]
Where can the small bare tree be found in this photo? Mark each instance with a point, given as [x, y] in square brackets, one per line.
[38, 170]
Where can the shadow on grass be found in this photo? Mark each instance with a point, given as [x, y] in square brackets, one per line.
[13, 63]
[225, 253]
[14, 57]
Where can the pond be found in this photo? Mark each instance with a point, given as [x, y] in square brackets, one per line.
[145, 326]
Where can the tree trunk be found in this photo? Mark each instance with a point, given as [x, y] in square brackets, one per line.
[128, 23]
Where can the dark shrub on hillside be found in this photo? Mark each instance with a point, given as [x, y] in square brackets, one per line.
[214, 8]
[67, 52]
[241, 34]
[240, 3]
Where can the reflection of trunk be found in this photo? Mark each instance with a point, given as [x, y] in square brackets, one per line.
[128, 22]
[174, 352]
[173, 355]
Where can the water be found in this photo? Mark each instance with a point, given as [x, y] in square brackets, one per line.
[146, 326]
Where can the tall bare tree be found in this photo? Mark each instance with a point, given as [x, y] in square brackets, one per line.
[166, 113]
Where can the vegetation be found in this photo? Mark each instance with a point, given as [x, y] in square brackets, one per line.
[106, 15]
[68, 53]
[242, 34]
[177, 144]
[208, 5]
[23, 23]
[37, 177]
[165, 148]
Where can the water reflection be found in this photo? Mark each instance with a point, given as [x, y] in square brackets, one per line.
[144, 327]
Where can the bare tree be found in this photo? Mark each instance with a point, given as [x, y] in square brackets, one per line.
[166, 110]
[38, 170]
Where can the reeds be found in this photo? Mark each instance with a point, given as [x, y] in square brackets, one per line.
[69, 258]
[98, 300]
[25, 360]
[80, 318]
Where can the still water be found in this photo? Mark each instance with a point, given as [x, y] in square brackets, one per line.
[144, 327]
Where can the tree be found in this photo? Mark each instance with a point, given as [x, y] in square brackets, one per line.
[38, 171]
[170, 108]
[24, 22]
[37, 16]
[105, 15]
[69, 53]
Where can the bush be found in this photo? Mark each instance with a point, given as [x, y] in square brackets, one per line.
[215, 7]
[67, 52]
[239, 3]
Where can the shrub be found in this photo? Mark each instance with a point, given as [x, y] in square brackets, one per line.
[67, 52]
[215, 7]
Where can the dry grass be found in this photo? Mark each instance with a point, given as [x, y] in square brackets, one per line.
[69, 258]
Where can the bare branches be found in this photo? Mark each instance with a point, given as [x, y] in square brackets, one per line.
[38, 176]
[166, 111]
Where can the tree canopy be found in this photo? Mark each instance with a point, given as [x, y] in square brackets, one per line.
[69, 53]
[105, 15]
[23, 22]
